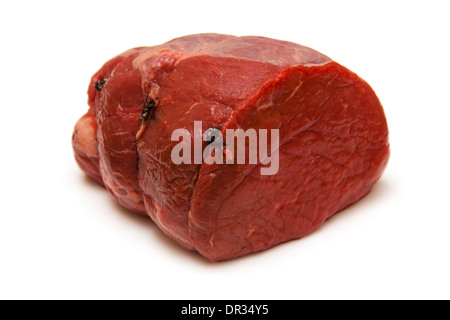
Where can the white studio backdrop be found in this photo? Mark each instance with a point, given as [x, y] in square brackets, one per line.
[62, 236]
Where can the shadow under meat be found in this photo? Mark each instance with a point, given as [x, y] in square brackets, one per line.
[380, 189]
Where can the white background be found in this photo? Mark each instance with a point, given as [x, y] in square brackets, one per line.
[62, 236]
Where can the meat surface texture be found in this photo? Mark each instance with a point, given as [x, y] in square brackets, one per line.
[333, 139]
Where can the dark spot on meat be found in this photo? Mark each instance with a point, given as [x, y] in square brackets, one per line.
[210, 135]
[100, 84]
[149, 107]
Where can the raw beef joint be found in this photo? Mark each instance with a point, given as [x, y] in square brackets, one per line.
[331, 130]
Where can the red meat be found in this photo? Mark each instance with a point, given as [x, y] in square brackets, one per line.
[332, 129]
